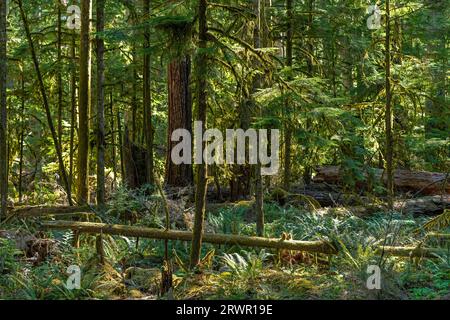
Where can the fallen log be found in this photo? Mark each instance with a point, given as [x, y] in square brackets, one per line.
[444, 236]
[151, 233]
[38, 211]
[411, 252]
[430, 205]
[427, 183]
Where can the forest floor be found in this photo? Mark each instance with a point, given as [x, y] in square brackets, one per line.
[34, 264]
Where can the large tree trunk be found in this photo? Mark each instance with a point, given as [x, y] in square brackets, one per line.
[84, 105]
[403, 180]
[100, 105]
[3, 116]
[202, 183]
[180, 117]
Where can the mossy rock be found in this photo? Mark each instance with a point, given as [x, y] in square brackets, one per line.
[143, 279]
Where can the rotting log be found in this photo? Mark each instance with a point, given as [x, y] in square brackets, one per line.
[151, 233]
[427, 183]
[444, 236]
[38, 211]
[412, 252]
[430, 205]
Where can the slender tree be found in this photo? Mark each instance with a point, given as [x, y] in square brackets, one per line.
[3, 115]
[288, 129]
[84, 105]
[201, 183]
[259, 199]
[148, 127]
[100, 104]
[59, 71]
[388, 112]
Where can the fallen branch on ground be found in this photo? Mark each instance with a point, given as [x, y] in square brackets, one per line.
[412, 252]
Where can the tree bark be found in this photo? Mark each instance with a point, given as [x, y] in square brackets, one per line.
[84, 105]
[3, 113]
[201, 185]
[100, 104]
[180, 117]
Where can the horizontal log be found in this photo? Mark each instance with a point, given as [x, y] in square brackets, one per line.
[151, 233]
[38, 211]
[430, 205]
[427, 183]
[412, 252]
[445, 236]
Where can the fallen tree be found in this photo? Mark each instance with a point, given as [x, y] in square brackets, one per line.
[430, 205]
[423, 182]
[412, 252]
[38, 211]
[151, 233]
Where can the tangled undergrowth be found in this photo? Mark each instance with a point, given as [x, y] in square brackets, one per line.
[132, 269]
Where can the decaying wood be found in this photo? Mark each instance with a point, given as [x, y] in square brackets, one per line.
[37, 211]
[96, 228]
[427, 183]
[444, 236]
[412, 252]
[431, 205]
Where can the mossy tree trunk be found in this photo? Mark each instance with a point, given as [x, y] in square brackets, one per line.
[201, 183]
[84, 105]
[3, 115]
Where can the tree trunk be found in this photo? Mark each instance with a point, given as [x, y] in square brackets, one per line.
[100, 105]
[3, 115]
[201, 185]
[180, 117]
[22, 134]
[59, 74]
[148, 127]
[388, 113]
[84, 105]
[288, 130]
[113, 141]
[259, 196]
[73, 108]
[56, 142]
